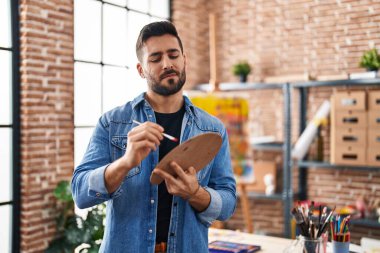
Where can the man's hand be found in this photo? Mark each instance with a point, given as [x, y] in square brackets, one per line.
[141, 140]
[185, 185]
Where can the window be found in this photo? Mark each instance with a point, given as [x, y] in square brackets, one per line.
[105, 34]
[9, 128]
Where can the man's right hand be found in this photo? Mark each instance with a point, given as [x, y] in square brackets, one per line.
[142, 139]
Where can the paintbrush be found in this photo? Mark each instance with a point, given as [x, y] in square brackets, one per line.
[164, 134]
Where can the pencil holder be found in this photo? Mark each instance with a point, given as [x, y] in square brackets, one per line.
[307, 245]
[340, 247]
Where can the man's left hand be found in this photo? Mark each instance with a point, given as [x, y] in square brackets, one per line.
[184, 184]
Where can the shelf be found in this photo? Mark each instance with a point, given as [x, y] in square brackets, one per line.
[270, 146]
[256, 195]
[348, 82]
[240, 86]
[365, 222]
[325, 165]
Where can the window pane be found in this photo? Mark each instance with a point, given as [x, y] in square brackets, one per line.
[159, 8]
[5, 24]
[5, 228]
[5, 165]
[120, 85]
[136, 21]
[87, 24]
[118, 2]
[139, 5]
[87, 93]
[155, 19]
[81, 139]
[115, 35]
[115, 87]
[5, 87]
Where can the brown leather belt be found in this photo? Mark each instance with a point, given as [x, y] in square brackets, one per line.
[160, 247]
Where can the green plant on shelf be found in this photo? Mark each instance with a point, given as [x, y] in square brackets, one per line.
[73, 231]
[370, 60]
[241, 69]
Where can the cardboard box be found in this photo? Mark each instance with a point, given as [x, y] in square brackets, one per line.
[260, 169]
[349, 155]
[374, 100]
[374, 119]
[374, 138]
[350, 100]
[352, 119]
[373, 157]
[350, 136]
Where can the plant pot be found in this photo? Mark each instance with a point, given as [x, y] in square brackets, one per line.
[243, 78]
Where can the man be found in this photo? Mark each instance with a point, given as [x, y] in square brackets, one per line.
[141, 217]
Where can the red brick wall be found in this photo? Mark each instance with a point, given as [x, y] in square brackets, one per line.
[283, 41]
[46, 47]
[278, 37]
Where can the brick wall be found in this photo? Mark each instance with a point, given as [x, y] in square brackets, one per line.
[278, 38]
[46, 48]
[286, 41]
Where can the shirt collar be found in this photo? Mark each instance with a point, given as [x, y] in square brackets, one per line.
[189, 107]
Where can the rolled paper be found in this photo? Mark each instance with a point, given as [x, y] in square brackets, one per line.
[302, 145]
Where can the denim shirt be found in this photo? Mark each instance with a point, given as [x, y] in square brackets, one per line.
[132, 209]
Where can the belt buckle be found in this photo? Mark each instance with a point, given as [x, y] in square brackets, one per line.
[160, 247]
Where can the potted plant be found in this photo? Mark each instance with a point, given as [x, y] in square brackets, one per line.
[242, 69]
[370, 60]
[73, 231]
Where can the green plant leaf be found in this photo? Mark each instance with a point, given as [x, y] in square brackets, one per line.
[370, 60]
[73, 230]
[241, 68]
[63, 191]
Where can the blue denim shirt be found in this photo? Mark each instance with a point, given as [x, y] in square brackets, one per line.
[132, 208]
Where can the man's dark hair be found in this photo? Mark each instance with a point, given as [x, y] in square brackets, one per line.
[156, 29]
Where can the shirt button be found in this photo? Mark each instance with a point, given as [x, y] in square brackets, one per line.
[152, 201]
[150, 231]
[150, 116]
[189, 123]
[97, 194]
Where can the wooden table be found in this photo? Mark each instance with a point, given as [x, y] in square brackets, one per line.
[269, 244]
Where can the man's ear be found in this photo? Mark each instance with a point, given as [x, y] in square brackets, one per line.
[185, 60]
[140, 70]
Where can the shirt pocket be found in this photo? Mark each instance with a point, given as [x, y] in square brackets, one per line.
[119, 145]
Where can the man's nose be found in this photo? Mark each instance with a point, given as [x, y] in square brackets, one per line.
[167, 64]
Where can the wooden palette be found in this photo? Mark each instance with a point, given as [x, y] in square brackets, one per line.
[197, 152]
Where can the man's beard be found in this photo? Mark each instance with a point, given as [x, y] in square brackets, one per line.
[173, 87]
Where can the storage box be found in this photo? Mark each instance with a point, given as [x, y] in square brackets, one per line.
[353, 119]
[351, 136]
[350, 100]
[374, 138]
[373, 157]
[349, 155]
[374, 100]
[374, 119]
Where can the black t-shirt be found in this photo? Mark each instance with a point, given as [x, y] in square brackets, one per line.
[171, 122]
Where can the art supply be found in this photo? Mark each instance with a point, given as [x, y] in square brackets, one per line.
[340, 228]
[232, 247]
[341, 247]
[164, 134]
[312, 227]
[196, 152]
[302, 145]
